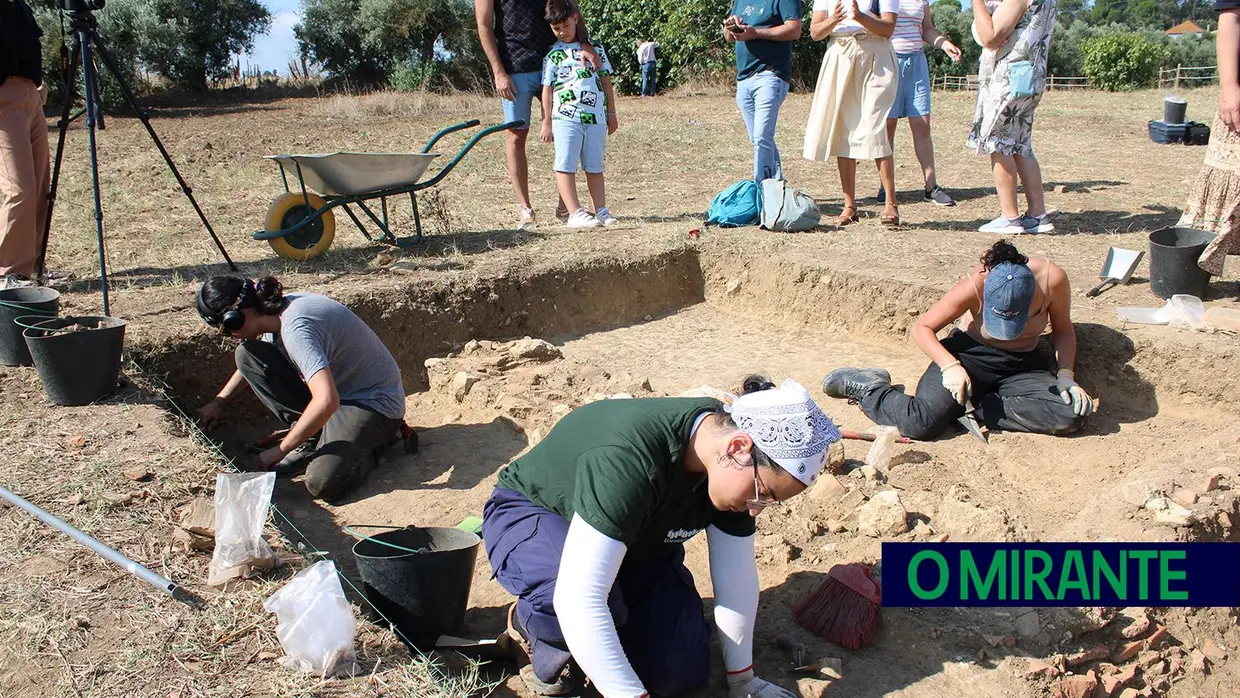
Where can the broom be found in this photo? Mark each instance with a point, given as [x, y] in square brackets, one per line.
[844, 608]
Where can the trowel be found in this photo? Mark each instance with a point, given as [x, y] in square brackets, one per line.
[1117, 269]
[969, 421]
[487, 649]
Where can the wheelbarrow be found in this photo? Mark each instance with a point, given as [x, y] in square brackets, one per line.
[301, 223]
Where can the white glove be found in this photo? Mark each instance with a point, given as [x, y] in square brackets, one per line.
[957, 381]
[1073, 394]
[746, 685]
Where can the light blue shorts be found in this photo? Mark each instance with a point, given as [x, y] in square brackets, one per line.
[577, 143]
[913, 91]
[528, 86]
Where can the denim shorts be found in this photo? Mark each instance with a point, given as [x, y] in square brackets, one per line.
[577, 143]
[528, 86]
[913, 92]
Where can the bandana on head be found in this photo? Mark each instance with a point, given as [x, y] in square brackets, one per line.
[786, 424]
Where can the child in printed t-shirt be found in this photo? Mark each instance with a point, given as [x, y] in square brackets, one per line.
[579, 111]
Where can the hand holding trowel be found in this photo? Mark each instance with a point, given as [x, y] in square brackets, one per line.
[956, 380]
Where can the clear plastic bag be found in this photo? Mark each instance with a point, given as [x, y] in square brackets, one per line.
[315, 627]
[1181, 311]
[242, 501]
[878, 459]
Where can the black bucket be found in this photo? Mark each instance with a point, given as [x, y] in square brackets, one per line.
[78, 366]
[1173, 262]
[1175, 110]
[14, 303]
[419, 578]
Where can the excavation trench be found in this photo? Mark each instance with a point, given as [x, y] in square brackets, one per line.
[681, 320]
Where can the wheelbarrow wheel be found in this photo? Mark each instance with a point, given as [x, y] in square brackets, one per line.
[311, 241]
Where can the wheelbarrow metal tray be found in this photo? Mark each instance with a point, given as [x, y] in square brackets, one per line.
[355, 174]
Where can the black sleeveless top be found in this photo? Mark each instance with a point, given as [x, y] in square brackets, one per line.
[524, 37]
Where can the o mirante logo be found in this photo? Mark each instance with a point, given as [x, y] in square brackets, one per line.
[1061, 574]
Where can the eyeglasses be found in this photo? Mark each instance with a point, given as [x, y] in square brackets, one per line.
[758, 503]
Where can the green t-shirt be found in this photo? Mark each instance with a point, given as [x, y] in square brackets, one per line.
[752, 57]
[620, 466]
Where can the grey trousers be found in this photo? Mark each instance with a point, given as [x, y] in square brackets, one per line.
[349, 445]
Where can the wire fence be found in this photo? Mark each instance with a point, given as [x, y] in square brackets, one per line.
[1187, 76]
[970, 82]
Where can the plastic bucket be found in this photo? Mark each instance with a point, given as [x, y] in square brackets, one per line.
[1173, 262]
[80, 365]
[419, 578]
[1175, 110]
[14, 303]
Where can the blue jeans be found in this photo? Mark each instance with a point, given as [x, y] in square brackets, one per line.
[656, 607]
[759, 97]
[648, 77]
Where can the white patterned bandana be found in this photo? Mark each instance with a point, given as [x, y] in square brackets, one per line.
[786, 424]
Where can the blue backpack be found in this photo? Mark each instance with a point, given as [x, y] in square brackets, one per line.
[738, 205]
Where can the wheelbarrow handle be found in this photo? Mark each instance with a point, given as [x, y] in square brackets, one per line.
[468, 147]
[451, 129]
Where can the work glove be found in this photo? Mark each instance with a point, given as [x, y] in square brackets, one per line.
[957, 382]
[1073, 394]
[746, 685]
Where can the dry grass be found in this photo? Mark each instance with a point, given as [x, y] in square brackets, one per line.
[72, 624]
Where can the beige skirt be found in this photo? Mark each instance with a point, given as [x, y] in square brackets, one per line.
[855, 92]
[1214, 204]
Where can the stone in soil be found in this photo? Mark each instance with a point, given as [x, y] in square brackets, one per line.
[835, 526]
[922, 530]
[1028, 625]
[1185, 496]
[534, 350]
[1139, 626]
[1126, 675]
[1039, 669]
[1211, 649]
[1129, 693]
[827, 490]
[1075, 686]
[1197, 661]
[883, 516]
[1211, 484]
[1167, 511]
[462, 383]
[1127, 651]
[1159, 634]
[1092, 654]
[138, 474]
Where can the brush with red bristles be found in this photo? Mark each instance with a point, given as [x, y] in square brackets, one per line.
[844, 608]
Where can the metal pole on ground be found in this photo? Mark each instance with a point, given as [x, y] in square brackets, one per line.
[162, 583]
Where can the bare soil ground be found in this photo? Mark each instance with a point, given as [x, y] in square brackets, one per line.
[626, 307]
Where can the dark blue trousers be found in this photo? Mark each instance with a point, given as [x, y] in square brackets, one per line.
[649, 75]
[657, 610]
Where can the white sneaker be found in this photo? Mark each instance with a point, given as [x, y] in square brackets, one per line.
[52, 277]
[1039, 224]
[1009, 226]
[604, 216]
[527, 221]
[15, 281]
[582, 219]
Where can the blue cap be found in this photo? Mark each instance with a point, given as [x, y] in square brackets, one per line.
[1006, 298]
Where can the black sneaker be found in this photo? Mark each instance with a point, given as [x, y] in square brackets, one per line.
[854, 383]
[939, 197]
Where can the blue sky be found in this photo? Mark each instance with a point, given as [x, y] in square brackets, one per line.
[272, 51]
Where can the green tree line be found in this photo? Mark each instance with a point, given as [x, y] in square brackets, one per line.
[433, 44]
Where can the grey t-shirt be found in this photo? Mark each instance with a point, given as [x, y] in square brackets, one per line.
[316, 332]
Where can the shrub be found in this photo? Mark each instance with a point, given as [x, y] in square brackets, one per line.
[1122, 60]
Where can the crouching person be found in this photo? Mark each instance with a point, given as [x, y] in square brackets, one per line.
[587, 530]
[319, 369]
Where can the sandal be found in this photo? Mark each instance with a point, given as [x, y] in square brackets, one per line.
[846, 219]
[890, 221]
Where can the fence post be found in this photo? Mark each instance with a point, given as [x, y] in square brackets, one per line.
[1177, 75]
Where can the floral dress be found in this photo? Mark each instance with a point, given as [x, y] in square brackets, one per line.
[1002, 124]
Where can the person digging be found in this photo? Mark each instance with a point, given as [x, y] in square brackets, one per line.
[991, 362]
[588, 528]
[320, 370]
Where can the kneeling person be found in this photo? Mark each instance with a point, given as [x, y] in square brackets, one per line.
[319, 369]
[588, 531]
[992, 362]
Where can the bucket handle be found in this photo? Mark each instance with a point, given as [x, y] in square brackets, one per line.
[41, 320]
[22, 306]
[349, 530]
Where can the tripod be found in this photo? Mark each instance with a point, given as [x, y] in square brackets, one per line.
[86, 37]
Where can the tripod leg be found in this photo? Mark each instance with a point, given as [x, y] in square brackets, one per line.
[146, 121]
[88, 90]
[63, 128]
